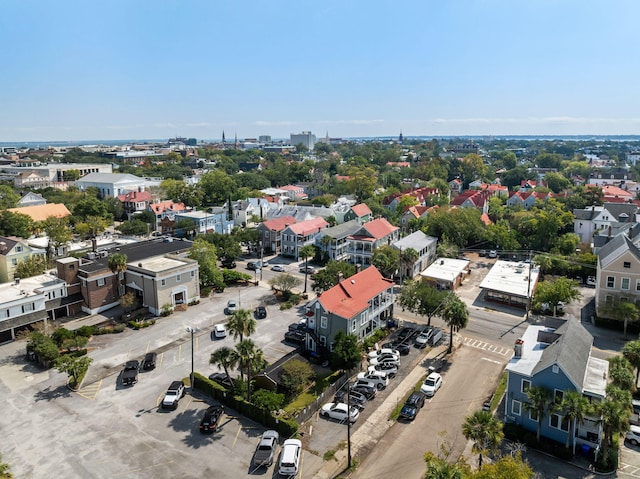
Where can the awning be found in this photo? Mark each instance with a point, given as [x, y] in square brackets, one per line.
[133, 285]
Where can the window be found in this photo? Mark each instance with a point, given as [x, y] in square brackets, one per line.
[72, 267]
[323, 341]
[608, 299]
[611, 282]
[163, 282]
[626, 264]
[323, 322]
[100, 282]
[558, 396]
[14, 261]
[533, 415]
[626, 282]
[193, 274]
[364, 317]
[18, 249]
[558, 422]
[178, 277]
[28, 307]
[354, 325]
[516, 407]
[526, 384]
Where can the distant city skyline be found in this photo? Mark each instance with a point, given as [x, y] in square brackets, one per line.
[81, 71]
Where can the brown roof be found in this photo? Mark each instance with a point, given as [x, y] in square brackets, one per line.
[42, 212]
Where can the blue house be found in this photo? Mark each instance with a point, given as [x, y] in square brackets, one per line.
[559, 360]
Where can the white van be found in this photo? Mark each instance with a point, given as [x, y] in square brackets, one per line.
[290, 457]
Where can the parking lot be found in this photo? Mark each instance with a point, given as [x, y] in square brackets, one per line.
[107, 430]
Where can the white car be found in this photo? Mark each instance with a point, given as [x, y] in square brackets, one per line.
[390, 369]
[376, 377]
[338, 411]
[423, 338]
[219, 331]
[379, 352]
[633, 436]
[591, 281]
[385, 358]
[431, 384]
[278, 267]
[232, 306]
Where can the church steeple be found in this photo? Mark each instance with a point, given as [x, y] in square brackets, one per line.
[235, 143]
[400, 138]
[223, 140]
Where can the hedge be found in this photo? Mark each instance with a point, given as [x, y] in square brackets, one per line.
[285, 427]
[519, 434]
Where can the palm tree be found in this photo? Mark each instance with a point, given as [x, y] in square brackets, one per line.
[631, 351]
[250, 360]
[454, 313]
[539, 401]
[574, 406]
[225, 358]
[439, 468]
[305, 253]
[614, 417]
[241, 324]
[408, 257]
[486, 432]
[117, 263]
[325, 242]
[621, 373]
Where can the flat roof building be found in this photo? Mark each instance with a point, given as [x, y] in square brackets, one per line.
[446, 273]
[511, 283]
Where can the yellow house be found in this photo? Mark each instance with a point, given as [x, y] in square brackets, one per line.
[12, 251]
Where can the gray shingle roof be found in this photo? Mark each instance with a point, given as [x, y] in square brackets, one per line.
[343, 230]
[570, 352]
[417, 240]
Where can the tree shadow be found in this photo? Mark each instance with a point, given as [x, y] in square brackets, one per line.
[50, 394]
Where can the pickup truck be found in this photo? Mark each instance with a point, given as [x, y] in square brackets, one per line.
[266, 450]
[130, 373]
[175, 391]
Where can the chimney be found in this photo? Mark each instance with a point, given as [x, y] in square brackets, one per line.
[340, 276]
[358, 266]
[609, 233]
[94, 244]
[631, 232]
[517, 348]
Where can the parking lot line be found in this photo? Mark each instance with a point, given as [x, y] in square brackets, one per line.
[148, 345]
[236, 438]
[188, 404]
[90, 391]
[161, 358]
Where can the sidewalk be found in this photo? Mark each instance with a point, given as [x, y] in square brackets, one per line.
[364, 439]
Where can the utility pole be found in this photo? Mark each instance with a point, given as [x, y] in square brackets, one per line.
[192, 330]
[529, 287]
[348, 425]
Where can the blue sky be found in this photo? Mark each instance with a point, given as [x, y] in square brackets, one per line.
[125, 69]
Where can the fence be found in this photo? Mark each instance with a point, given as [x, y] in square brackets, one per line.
[326, 396]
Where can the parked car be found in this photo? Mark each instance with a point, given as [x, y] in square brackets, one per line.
[633, 435]
[232, 306]
[412, 406]
[278, 267]
[298, 327]
[402, 348]
[380, 352]
[338, 411]
[389, 368]
[254, 265]
[307, 270]
[546, 308]
[290, 458]
[591, 281]
[171, 398]
[492, 254]
[130, 373]
[295, 336]
[219, 331]
[228, 264]
[431, 384]
[391, 358]
[149, 361]
[356, 398]
[266, 450]
[260, 312]
[376, 377]
[423, 338]
[211, 419]
[407, 333]
[222, 379]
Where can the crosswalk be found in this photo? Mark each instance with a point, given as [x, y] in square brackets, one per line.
[491, 348]
[90, 391]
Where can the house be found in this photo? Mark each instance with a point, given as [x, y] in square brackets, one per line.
[618, 271]
[456, 186]
[244, 210]
[593, 219]
[425, 247]
[558, 359]
[446, 273]
[42, 212]
[614, 193]
[358, 305]
[32, 180]
[213, 220]
[32, 199]
[270, 233]
[135, 202]
[511, 283]
[495, 188]
[360, 212]
[294, 193]
[31, 300]
[300, 234]
[370, 236]
[333, 242]
[12, 252]
[158, 273]
[528, 185]
[478, 199]
[114, 184]
[526, 199]
[423, 197]
[413, 213]
[166, 210]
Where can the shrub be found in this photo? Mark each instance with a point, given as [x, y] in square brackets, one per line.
[60, 335]
[268, 400]
[376, 337]
[141, 324]
[86, 331]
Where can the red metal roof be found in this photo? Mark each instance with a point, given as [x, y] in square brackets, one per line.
[278, 224]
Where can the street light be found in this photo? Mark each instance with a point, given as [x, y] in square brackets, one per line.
[192, 330]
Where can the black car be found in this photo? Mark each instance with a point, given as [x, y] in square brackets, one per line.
[260, 312]
[295, 336]
[368, 392]
[406, 333]
[222, 379]
[356, 398]
[149, 361]
[402, 348]
[412, 406]
[298, 327]
[211, 419]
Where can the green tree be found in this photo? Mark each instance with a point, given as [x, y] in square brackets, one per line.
[408, 258]
[268, 400]
[15, 224]
[225, 358]
[621, 373]
[555, 291]
[91, 206]
[31, 266]
[346, 352]
[127, 301]
[328, 277]
[538, 404]
[241, 324]
[614, 417]
[574, 407]
[75, 367]
[506, 467]
[250, 360]
[440, 468]
[117, 263]
[8, 197]
[4, 470]
[454, 313]
[58, 231]
[71, 175]
[306, 252]
[227, 246]
[295, 375]
[133, 228]
[421, 298]
[217, 187]
[92, 227]
[485, 431]
[461, 226]
[206, 255]
[386, 259]
[284, 282]
[631, 351]
[623, 311]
